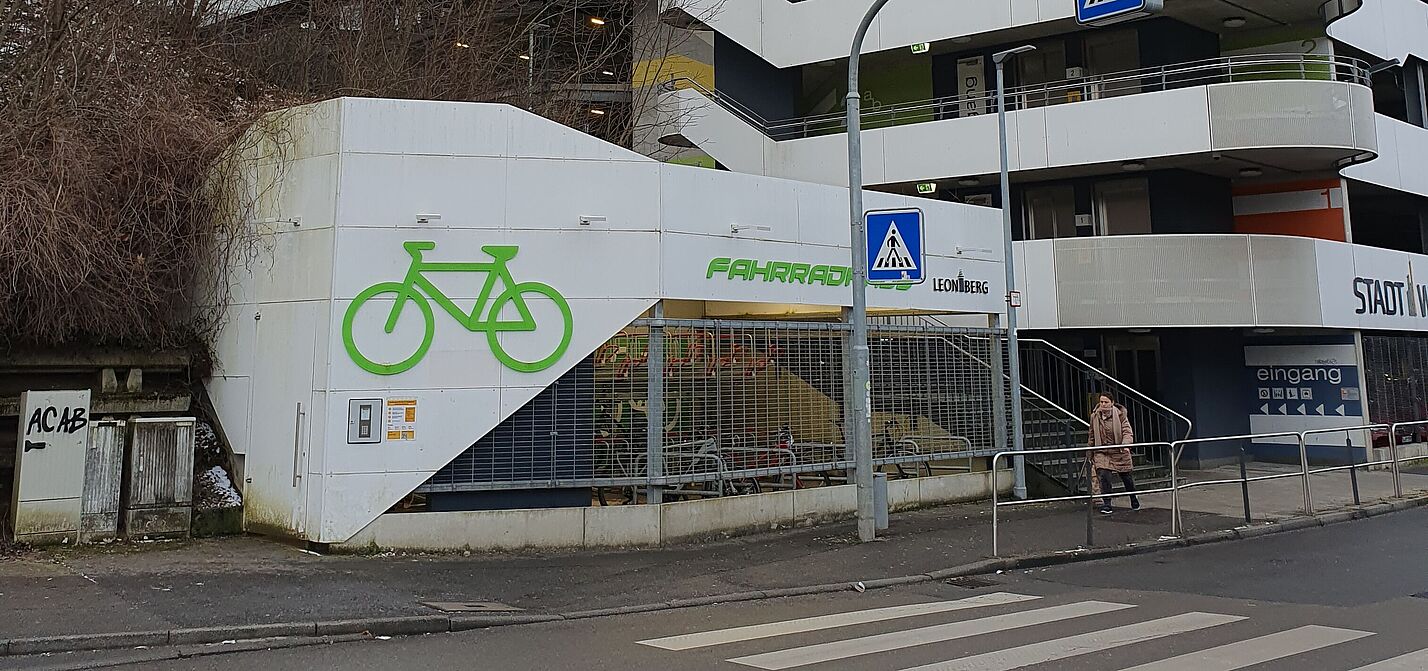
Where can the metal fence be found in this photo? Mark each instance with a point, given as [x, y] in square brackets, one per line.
[1416, 431]
[672, 408]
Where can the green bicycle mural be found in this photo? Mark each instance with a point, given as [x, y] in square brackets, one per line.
[421, 292]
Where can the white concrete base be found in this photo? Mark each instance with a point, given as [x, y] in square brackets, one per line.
[646, 526]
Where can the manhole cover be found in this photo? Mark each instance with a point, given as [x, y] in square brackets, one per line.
[471, 606]
[969, 582]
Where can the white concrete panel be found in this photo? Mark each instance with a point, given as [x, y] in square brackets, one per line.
[446, 418]
[728, 138]
[1128, 127]
[1028, 148]
[389, 190]
[352, 501]
[1385, 28]
[554, 194]
[536, 137]
[299, 266]
[1401, 147]
[822, 214]
[384, 126]
[314, 206]
[699, 195]
[273, 498]
[934, 149]
[231, 397]
[1036, 278]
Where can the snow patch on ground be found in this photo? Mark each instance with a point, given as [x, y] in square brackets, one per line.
[215, 490]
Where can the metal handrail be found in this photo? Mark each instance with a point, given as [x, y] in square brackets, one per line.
[1177, 448]
[1088, 496]
[1158, 78]
[1086, 367]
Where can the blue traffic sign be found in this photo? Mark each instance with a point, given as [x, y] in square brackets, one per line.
[1106, 12]
[895, 249]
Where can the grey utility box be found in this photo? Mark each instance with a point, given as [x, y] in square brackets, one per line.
[158, 492]
[103, 480]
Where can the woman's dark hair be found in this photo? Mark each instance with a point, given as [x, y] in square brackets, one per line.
[1107, 394]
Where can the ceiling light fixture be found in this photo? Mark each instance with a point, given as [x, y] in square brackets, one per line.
[1133, 166]
[598, 112]
[525, 57]
[607, 73]
[597, 21]
[1235, 22]
[1251, 172]
[462, 45]
[968, 181]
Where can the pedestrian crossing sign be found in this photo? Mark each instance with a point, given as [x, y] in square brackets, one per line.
[895, 249]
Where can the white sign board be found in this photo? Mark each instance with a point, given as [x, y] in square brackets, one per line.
[49, 464]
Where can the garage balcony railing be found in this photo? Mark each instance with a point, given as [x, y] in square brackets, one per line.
[1229, 69]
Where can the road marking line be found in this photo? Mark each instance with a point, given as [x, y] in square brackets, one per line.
[1256, 650]
[1083, 644]
[828, 652]
[1413, 661]
[807, 624]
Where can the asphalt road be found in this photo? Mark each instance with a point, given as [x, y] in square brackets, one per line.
[1339, 598]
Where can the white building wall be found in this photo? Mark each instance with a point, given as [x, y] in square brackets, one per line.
[334, 222]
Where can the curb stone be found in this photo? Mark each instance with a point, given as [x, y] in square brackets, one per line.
[263, 636]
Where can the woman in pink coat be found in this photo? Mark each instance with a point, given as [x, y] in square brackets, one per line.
[1110, 432]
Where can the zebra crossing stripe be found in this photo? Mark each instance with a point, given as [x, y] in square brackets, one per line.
[802, 625]
[1083, 644]
[867, 645]
[1257, 650]
[1413, 661]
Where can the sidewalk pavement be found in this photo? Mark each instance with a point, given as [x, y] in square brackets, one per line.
[246, 581]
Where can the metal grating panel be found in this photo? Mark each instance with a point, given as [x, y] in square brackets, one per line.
[104, 474]
[1153, 280]
[1275, 114]
[745, 405]
[161, 462]
[1286, 281]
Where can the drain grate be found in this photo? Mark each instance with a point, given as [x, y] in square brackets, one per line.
[471, 606]
[971, 582]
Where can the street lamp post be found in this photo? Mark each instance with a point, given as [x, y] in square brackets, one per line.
[860, 391]
[1013, 349]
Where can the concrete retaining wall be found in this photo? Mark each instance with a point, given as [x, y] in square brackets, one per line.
[637, 526]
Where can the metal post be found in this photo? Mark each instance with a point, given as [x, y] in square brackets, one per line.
[654, 424]
[862, 439]
[1244, 484]
[1353, 472]
[1175, 522]
[1013, 349]
[995, 458]
[1304, 466]
[1091, 505]
[1393, 461]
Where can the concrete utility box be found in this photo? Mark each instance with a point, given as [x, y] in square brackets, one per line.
[103, 480]
[158, 493]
